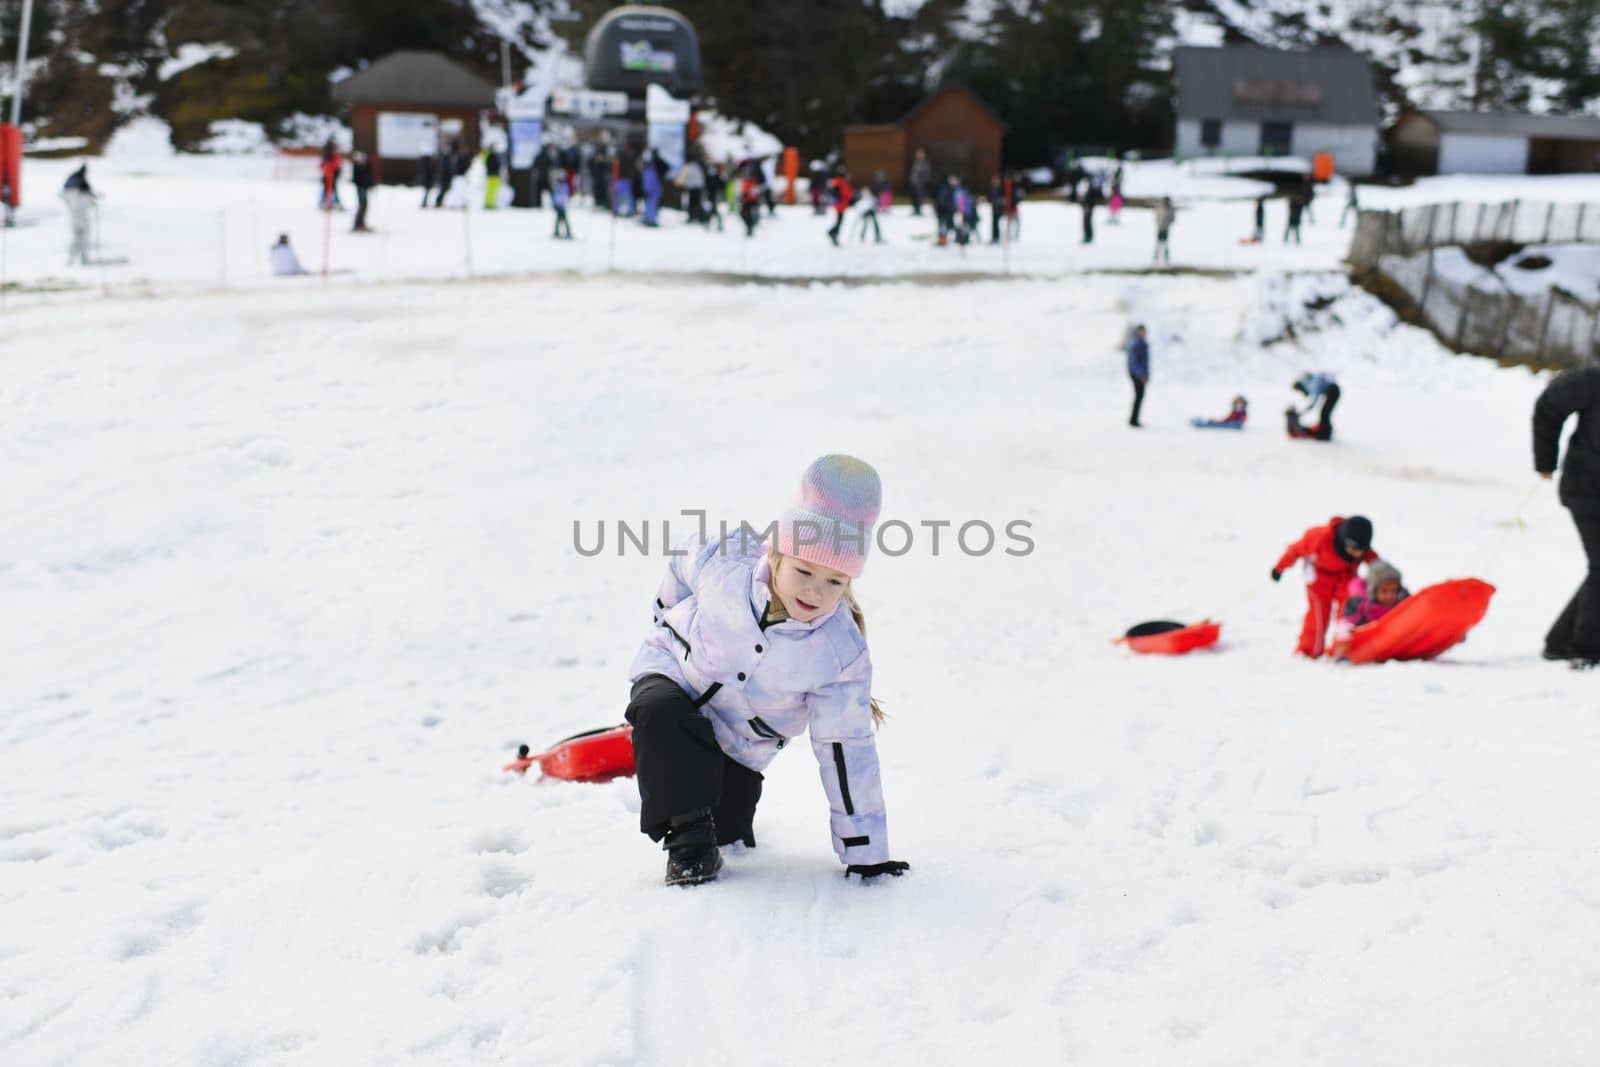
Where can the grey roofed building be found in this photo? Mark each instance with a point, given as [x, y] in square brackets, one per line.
[1332, 85]
[416, 78]
[1245, 100]
[1554, 127]
[1492, 142]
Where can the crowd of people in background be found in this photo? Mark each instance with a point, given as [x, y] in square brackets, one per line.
[635, 182]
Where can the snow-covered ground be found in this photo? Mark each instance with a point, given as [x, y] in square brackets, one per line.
[288, 572]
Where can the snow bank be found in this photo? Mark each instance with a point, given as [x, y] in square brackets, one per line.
[235, 137]
[724, 138]
[1484, 189]
[141, 139]
[192, 54]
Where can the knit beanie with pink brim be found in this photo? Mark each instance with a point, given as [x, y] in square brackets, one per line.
[831, 523]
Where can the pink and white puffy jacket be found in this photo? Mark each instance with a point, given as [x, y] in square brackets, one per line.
[761, 688]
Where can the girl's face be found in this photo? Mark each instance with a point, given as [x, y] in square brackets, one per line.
[808, 591]
[1388, 591]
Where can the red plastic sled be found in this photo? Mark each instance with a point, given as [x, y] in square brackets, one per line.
[1425, 624]
[1171, 638]
[593, 756]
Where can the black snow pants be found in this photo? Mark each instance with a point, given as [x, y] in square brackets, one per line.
[1330, 397]
[1576, 633]
[680, 769]
[1138, 399]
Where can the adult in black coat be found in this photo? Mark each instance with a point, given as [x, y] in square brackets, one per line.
[1576, 633]
[425, 167]
[944, 206]
[1089, 201]
[361, 177]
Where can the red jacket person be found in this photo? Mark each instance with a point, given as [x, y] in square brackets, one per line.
[1332, 554]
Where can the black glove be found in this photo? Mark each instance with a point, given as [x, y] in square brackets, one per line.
[1276, 574]
[868, 871]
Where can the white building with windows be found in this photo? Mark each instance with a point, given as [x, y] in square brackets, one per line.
[1244, 100]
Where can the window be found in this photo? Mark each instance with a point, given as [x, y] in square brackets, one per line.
[1276, 138]
[1210, 133]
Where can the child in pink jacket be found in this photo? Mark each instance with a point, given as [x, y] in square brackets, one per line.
[1368, 600]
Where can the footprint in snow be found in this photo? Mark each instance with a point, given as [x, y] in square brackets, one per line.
[503, 840]
[503, 880]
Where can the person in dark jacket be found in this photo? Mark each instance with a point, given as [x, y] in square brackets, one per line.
[560, 194]
[1317, 388]
[361, 178]
[1091, 199]
[1138, 370]
[446, 171]
[1297, 208]
[997, 207]
[1576, 633]
[600, 178]
[425, 177]
[944, 206]
[716, 192]
[1261, 220]
[921, 177]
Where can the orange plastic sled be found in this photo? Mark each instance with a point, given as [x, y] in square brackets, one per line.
[593, 756]
[1171, 638]
[1425, 624]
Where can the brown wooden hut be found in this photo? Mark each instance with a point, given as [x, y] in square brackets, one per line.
[961, 136]
[397, 101]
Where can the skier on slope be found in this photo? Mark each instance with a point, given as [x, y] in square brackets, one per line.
[1332, 552]
[79, 198]
[755, 643]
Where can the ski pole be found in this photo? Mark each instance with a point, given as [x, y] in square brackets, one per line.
[466, 231]
[327, 238]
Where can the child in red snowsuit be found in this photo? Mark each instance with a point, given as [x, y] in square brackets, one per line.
[1332, 554]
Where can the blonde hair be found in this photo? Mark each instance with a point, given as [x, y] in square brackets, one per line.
[878, 714]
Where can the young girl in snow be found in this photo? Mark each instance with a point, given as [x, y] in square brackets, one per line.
[1332, 554]
[755, 643]
[1368, 601]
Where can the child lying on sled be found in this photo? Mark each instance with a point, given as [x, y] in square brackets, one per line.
[1234, 420]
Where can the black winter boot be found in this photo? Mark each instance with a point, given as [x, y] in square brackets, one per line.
[691, 844]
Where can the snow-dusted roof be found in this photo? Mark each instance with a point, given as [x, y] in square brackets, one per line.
[424, 78]
[1556, 127]
[1332, 85]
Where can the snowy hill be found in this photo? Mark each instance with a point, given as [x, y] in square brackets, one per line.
[294, 573]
